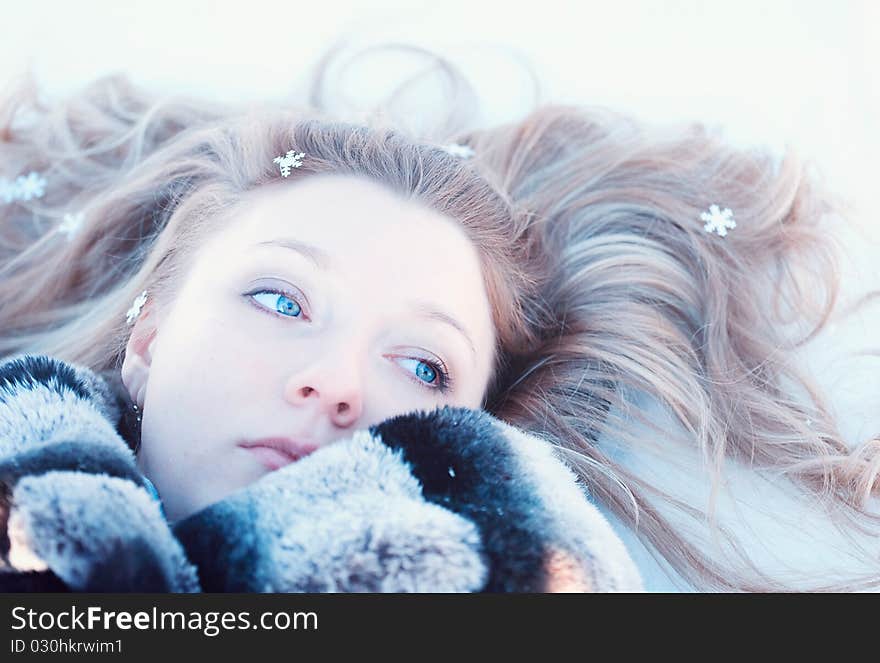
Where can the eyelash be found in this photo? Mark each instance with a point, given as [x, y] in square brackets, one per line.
[445, 379]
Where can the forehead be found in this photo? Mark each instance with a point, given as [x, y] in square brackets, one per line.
[359, 225]
[380, 255]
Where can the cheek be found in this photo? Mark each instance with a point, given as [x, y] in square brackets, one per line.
[185, 380]
[207, 366]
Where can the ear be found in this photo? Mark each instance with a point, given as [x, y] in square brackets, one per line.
[139, 353]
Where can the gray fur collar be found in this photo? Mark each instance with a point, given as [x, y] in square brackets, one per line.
[449, 500]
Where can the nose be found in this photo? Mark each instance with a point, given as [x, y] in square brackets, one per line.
[334, 390]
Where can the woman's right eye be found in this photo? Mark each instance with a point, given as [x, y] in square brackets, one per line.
[280, 302]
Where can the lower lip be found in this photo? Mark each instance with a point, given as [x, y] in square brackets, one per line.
[271, 458]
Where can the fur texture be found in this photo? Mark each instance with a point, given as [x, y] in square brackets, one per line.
[72, 501]
[451, 500]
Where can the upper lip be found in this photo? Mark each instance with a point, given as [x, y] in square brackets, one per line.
[293, 448]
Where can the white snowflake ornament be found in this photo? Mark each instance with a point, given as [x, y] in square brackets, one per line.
[71, 224]
[32, 185]
[136, 307]
[718, 220]
[25, 187]
[288, 161]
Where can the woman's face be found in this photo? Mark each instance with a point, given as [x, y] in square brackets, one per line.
[265, 340]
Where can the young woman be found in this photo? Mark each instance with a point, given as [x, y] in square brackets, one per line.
[264, 283]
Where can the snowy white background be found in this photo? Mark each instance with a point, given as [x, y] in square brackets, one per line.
[802, 72]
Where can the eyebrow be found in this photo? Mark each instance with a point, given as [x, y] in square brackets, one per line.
[426, 310]
[322, 261]
[319, 257]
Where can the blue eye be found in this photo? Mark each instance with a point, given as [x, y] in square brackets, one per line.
[428, 372]
[431, 373]
[281, 303]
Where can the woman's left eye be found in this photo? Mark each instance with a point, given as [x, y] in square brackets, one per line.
[431, 373]
[279, 302]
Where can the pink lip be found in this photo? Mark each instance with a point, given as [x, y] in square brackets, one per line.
[275, 452]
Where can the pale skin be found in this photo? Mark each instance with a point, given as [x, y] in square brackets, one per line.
[339, 349]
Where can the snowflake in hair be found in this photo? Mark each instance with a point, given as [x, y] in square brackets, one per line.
[32, 185]
[136, 306]
[25, 187]
[718, 220]
[288, 161]
[71, 224]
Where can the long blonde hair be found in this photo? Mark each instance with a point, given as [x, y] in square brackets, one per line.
[602, 279]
